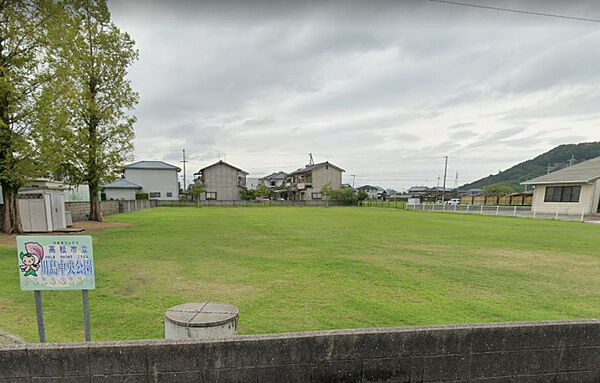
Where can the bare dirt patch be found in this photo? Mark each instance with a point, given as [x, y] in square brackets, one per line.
[89, 227]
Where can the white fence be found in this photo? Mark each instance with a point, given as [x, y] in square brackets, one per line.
[496, 210]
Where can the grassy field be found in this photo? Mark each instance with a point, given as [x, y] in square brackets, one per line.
[292, 269]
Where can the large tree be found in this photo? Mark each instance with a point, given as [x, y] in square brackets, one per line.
[23, 74]
[91, 56]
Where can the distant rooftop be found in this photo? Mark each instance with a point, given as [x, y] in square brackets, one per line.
[309, 168]
[151, 165]
[275, 176]
[220, 162]
[367, 187]
[583, 172]
[121, 183]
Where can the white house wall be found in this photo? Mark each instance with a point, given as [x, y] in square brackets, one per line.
[161, 181]
[588, 200]
[120, 194]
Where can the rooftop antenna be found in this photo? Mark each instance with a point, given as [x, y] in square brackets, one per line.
[310, 159]
[548, 168]
[571, 160]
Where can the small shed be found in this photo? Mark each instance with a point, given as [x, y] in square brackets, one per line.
[42, 210]
[121, 189]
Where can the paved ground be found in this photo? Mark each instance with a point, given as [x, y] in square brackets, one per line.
[8, 338]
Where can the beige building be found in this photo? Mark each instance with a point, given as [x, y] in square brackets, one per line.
[306, 184]
[573, 190]
[221, 182]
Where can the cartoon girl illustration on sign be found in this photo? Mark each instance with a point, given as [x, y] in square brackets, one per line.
[31, 258]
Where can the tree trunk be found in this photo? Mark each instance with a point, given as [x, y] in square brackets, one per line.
[11, 223]
[95, 208]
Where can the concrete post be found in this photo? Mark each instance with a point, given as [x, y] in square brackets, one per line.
[515, 212]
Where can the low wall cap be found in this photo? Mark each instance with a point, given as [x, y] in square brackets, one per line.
[201, 314]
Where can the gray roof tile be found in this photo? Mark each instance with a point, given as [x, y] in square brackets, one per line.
[583, 172]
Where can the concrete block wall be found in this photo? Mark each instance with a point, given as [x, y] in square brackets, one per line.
[80, 209]
[565, 351]
[135, 205]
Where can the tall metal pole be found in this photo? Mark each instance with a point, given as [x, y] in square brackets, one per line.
[184, 178]
[353, 178]
[445, 173]
[40, 315]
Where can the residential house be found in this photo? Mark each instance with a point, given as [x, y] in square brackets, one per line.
[221, 182]
[121, 189]
[274, 180]
[306, 184]
[252, 183]
[371, 191]
[157, 178]
[572, 190]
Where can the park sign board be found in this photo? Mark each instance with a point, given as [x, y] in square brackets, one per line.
[62, 262]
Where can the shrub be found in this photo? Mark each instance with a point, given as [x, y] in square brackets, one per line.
[141, 196]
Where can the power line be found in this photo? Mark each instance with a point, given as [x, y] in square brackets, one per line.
[517, 11]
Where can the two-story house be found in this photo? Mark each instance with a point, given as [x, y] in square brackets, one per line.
[221, 182]
[157, 178]
[274, 180]
[305, 184]
[370, 190]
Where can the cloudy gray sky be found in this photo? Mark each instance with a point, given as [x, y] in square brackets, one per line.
[382, 89]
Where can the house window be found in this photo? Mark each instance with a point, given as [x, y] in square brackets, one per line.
[211, 195]
[316, 196]
[154, 194]
[272, 183]
[169, 194]
[562, 194]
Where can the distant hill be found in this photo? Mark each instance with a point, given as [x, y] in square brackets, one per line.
[558, 158]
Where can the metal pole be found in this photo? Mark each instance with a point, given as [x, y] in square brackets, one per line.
[40, 315]
[444, 186]
[497, 209]
[86, 315]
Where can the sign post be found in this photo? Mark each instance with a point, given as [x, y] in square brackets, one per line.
[56, 263]
[40, 315]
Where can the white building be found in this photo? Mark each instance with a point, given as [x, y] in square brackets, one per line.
[252, 183]
[370, 190]
[573, 190]
[121, 189]
[157, 178]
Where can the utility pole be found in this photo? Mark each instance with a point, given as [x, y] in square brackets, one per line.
[456, 181]
[445, 173]
[353, 178]
[184, 179]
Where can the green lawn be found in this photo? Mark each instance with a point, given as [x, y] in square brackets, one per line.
[292, 269]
